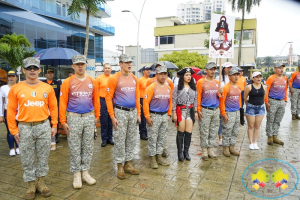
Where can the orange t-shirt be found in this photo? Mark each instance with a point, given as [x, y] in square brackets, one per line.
[157, 99]
[276, 88]
[168, 82]
[79, 97]
[102, 84]
[31, 103]
[231, 99]
[123, 91]
[295, 80]
[208, 95]
[142, 82]
[242, 82]
[49, 82]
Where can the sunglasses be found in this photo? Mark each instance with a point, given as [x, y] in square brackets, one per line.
[34, 68]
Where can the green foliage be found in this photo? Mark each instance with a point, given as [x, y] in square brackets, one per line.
[14, 48]
[267, 74]
[269, 61]
[242, 4]
[185, 59]
[88, 5]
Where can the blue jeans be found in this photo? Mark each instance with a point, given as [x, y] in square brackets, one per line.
[105, 120]
[142, 126]
[10, 138]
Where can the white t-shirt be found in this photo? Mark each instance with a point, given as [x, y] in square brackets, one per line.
[4, 93]
[222, 82]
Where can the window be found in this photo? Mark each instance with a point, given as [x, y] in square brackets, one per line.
[193, 20]
[182, 17]
[182, 9]
[188, 16]
[266, 69]
[188, 9]
[293, 69]
[170, 39]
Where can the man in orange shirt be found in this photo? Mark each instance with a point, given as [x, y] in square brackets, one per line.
[32, 100]
[79, 96]
[275, 100]
[230, 103]
[242, 82]
[106, 125]
[158, 102]
[123, 105]
[294, 85]
[142, 82]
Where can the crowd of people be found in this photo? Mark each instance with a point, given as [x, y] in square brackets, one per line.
[122, 103]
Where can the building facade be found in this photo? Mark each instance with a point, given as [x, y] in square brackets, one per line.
[46, 24]
[192, 36]
[200, 11]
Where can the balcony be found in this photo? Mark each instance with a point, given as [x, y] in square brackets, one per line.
[104, 10]
[61, 13]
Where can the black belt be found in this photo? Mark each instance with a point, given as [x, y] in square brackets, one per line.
[275, 99]
[210, 108]
[124, 108]
[159, 113]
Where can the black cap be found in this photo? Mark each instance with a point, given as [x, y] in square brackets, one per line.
[185, 70]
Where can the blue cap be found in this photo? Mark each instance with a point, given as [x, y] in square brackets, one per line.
[145, 68]
[12, 72]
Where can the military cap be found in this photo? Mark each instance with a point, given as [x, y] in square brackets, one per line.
[240, 69]
[50, 70]
[161, 69]
[31, 61]
[185, 70]
[125, 58]
[78, 59]
[12, 73]
[145, 68]
[233, 71]
[279, 64]
[210, 65]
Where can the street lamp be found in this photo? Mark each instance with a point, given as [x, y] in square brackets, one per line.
[138, 45]
[284, 46]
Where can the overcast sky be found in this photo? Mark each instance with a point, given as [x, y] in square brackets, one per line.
[278, 22]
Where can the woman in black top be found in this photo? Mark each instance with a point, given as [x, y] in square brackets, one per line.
[255, 107]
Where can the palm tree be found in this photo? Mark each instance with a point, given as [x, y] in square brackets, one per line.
[14, 48]
[90, 7]
[15, 40]
[241, 5]
[268, 62]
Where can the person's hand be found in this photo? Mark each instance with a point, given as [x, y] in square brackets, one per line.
[225, 119]
[196, 116]
[17, 138]
[96, 121]
[115, 123]
[149, 121]
[169, 117]
[220, 90]
[138, 118]
[174, 117]
[268, 106]
[1, 119]
[66, 128]
[53, 131]
[291, 91]
[200, 115]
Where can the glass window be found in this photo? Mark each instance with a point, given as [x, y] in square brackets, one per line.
[5, 27]
[182, 9]
[18, 28]
[30, 31]
[41, 33]
[293, 69]
[163, 40]
[170, 39]
[167, 39]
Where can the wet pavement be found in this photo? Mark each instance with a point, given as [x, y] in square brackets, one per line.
[195, 179]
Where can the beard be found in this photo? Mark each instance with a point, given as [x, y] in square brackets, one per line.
[221, 37]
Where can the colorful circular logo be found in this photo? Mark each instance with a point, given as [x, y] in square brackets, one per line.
[270, 178]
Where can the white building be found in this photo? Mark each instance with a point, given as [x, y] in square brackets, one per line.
[195, 11]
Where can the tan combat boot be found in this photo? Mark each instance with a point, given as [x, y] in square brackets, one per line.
[233, 151]
[77, 183]
[297, 116]
[293, 117]
[270, 140]
[42, 188]
[128, 168]
[30, 194]
[276, 140]
[161, 161]
[165, 153]
[211, 153]
[121, 173]
[153, 163]
[226, 151]
[86, 177]
[204, 153]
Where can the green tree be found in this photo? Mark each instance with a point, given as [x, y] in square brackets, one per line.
[185, 59]
[267, 74]
[14, 48]
[258, 63]
[242, 5]
[269, 62]
[90, 6]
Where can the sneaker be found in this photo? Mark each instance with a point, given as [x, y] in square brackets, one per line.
[251, 146]
[17, 151]
[12, 152]
[255, 146]
[220, 142]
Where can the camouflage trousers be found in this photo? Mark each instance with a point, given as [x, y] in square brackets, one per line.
[231, 129]
[209, 126]
[81, 141]
[157, 134]
[295, 102]
[35, 140]
[274, 116]
[125, 135]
